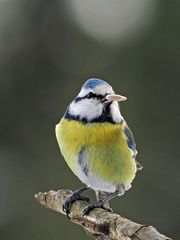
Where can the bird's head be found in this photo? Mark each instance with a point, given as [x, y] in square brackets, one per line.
[96, 102]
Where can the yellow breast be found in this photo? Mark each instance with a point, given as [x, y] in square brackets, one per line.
[108, 153]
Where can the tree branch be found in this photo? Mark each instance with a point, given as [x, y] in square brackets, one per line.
[100, 224]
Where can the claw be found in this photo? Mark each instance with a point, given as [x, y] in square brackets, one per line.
[108, 209]
[84, 198]
[98, 204]
[69, 201]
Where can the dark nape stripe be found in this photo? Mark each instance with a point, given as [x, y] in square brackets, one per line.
[105, 117]
[69, 116]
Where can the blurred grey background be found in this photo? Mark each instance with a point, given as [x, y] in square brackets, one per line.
[47, 50]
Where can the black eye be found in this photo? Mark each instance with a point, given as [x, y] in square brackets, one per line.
[90, 95]
[100, 97]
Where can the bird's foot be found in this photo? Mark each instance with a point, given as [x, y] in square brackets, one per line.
[70, 200]
[99, 204]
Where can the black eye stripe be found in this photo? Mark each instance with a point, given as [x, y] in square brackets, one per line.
[91, 95]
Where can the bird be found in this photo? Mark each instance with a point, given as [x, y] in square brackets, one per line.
[97, 144]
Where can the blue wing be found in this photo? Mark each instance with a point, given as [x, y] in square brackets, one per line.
[130, 139]
[131, 143]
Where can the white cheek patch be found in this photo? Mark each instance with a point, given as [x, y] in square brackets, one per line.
[115, 112]
[86, 108]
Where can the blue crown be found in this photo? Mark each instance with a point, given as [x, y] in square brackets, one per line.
[93, 82]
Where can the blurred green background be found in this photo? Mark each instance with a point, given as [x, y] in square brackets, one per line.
[47, 50]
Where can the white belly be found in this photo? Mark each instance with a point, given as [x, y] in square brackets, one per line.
[95, 182]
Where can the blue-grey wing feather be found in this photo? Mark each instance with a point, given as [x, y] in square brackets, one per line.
[131, 144]
[130, 139]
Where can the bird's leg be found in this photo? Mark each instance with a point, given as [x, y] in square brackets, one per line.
[100, 204]
[101, 195]
[74, 197]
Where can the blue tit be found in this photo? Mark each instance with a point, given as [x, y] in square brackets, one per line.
[97, 143]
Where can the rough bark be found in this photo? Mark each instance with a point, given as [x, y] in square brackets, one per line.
[99, 224]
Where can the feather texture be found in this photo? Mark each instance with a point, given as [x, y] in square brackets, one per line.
[98, 153]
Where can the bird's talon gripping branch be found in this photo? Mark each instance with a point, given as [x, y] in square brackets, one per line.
[108, 209]
[99, 204]
[69, 201]
[74, 197]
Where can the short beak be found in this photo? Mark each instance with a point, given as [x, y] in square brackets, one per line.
[115, 97]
